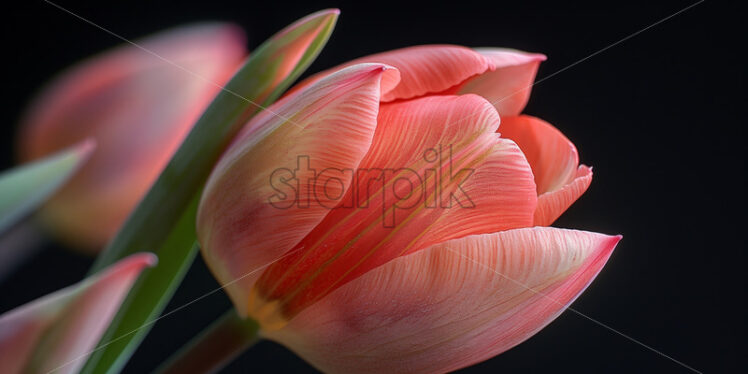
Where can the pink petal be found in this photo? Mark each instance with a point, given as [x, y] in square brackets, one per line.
[423, 69]
[551, 155]
[508, 86]
[552, 204]
[58, 331]
[248, 215]
[484, 185]
[138, 107]
[554, 161]
[450, 306]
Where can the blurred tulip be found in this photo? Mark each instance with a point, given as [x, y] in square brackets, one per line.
[58, 331]
[138, 106]
[373, 220]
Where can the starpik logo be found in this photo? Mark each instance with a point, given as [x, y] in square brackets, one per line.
[430, 181]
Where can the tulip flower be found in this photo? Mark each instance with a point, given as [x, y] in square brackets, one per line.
[379, 218]
[138, 106]
[58, 331]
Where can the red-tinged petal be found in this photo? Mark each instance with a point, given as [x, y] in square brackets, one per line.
[449, 306]
[138, 107]
[423, 69]
[58, 331]
[552, 204]
[508, 86]
[551, 155]
[435, 171]
[262, 198]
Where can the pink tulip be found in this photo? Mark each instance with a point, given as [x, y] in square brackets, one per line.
[58, 331]
[373, 220]
[138, 107]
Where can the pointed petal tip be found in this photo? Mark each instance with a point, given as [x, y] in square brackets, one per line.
[330, 14]
[325, 15]
[389, 75]
[147, 258]
[612, 240]
[600, 253]
[139, 261]
[129, 267]
[508, 83]
[517, 56]
[85, 148]
[386, 67]
[317, 21]
[372, 65]
[537, 57]
[528, 57]
[375, 67]
[600, 256]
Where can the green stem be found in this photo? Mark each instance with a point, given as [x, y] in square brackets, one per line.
[215, 347]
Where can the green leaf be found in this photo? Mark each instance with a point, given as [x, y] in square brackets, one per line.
[164, 220]
[25, 187]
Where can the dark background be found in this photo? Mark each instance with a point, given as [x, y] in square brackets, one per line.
[657, 116]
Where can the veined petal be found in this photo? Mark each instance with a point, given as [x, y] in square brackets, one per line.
[449, 306]
[58, 331]
[264, 195]
[500, 193]
[552, 204]
[138, 107]
[551, 155]
[559, 178]
[423, 69]
[435, 171]
[508, 86]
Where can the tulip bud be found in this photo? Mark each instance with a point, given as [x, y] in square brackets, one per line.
[138, 103]
[57, 332]
[373, 220]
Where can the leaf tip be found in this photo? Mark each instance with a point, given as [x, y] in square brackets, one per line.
[323, 17]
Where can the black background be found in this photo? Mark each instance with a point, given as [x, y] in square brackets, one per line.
[656, 115]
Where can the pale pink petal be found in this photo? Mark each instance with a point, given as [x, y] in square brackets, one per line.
[508, 86]
[436, 170]
[449, 306]
[554, 161]
[262, 197]
[58, 331]
[138, 107]
[552, 204]
[551, 155]
[423, 69]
